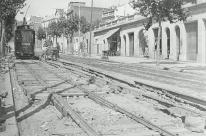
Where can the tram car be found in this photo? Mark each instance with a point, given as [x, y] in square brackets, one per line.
[24, 42]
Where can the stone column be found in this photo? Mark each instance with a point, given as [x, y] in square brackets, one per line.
[127, 44]
[122, 45]
[151, 40]
[183, 41]
[173, 43]
[164, 42]
[136, 43]
[201, 58]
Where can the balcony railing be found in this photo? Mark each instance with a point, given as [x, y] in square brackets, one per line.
[120, 21]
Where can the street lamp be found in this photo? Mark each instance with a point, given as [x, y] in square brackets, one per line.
[79, 23]
[90, 38]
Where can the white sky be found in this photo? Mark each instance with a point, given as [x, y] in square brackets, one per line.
[47, 7]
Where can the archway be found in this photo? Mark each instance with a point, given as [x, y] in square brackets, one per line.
[178, 45]
[192, 40]
[142, 43]
[125, 46]
[131, 44]
[168, 42]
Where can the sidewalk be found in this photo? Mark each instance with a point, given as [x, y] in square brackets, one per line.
[8, 110]
[180, 66]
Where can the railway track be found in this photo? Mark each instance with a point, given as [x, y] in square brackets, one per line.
[60, 84]
[164, 90]
[117, 108]
[183, 80]
[37, 76]
[181, 107]
[173, 100]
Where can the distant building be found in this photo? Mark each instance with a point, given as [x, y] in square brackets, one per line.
[81, 10]
[117, 12]
[35, 22]
[108, 15]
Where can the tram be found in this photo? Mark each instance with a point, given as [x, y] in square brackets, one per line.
[24, 41]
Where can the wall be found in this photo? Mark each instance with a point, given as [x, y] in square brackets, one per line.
[86, 12]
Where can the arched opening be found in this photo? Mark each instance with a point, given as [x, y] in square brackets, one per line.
[178, 45]
[143, 46]
[168, 42]
[114, 44]
[131, 44]
[125, 48]
[118, 53]
[192, 40]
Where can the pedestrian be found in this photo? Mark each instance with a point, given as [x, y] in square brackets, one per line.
[155, 49]
[58, 49]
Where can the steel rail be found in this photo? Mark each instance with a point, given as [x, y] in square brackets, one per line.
[66, 110]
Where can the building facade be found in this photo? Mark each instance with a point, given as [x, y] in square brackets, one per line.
[80, 9]
[182, 41]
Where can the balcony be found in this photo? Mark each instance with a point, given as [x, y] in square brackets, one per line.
[119, 21]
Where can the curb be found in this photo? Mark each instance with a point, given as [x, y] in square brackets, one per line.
[11, 123]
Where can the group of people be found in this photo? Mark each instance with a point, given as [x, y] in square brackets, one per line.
[50, 50]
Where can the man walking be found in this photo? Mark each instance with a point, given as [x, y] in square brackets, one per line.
[58, 49]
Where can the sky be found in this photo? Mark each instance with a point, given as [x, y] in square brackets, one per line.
[47, 7]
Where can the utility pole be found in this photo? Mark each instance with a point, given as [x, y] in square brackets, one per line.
[24, 19]
[79, 26]
[90, 38]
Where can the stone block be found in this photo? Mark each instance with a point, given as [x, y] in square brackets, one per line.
[195, 123]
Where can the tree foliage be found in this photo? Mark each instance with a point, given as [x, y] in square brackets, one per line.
[85, 26]
[9, 27]
[53, 29]
[41, 34]
[10, 7]
[68, 26]
[160, 10]
[8, 11]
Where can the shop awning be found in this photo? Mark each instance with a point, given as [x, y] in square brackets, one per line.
[107, 35]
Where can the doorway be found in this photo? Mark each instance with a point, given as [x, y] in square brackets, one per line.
[192, 41]
[168, 42]
[178, 44]
[131, 44]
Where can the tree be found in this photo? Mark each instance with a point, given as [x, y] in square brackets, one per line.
[41, 34]
[53, 30]
[85, 26]
[9, 27]
[68, 26]
[8, 10]
[157, 11]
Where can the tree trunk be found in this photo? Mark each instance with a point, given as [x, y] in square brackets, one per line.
[0, 29]
[71, 44]
[158, 43]
[2, 38]
[56, 40]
